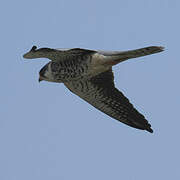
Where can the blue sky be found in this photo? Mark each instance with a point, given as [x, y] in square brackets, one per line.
[47, 132]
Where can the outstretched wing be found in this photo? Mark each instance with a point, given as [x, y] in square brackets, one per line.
[57, 54]
[101, 93]
[74, 53]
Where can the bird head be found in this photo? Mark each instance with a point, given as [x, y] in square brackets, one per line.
[45, 73]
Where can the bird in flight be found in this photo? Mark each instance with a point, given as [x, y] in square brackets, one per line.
[88, 74]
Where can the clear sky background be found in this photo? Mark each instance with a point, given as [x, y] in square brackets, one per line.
[48, 133]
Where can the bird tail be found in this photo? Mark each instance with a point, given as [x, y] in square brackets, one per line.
[120, 56]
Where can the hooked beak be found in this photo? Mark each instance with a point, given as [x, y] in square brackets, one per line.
[40, 79]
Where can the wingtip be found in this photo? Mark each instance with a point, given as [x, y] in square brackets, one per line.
[149, 130]
[33, 48]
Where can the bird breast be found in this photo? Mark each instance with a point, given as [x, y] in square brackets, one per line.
[70, 69]
[73, 69]
[98, 64]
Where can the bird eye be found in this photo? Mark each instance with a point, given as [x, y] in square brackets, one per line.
[43, 70]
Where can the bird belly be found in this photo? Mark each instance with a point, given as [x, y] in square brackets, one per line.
[98, 65]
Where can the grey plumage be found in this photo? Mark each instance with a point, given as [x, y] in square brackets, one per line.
[88, 74]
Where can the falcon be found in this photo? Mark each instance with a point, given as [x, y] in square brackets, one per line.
[88, 74]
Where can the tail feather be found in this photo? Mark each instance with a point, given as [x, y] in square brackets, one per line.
[141, 52]
[124, 55]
